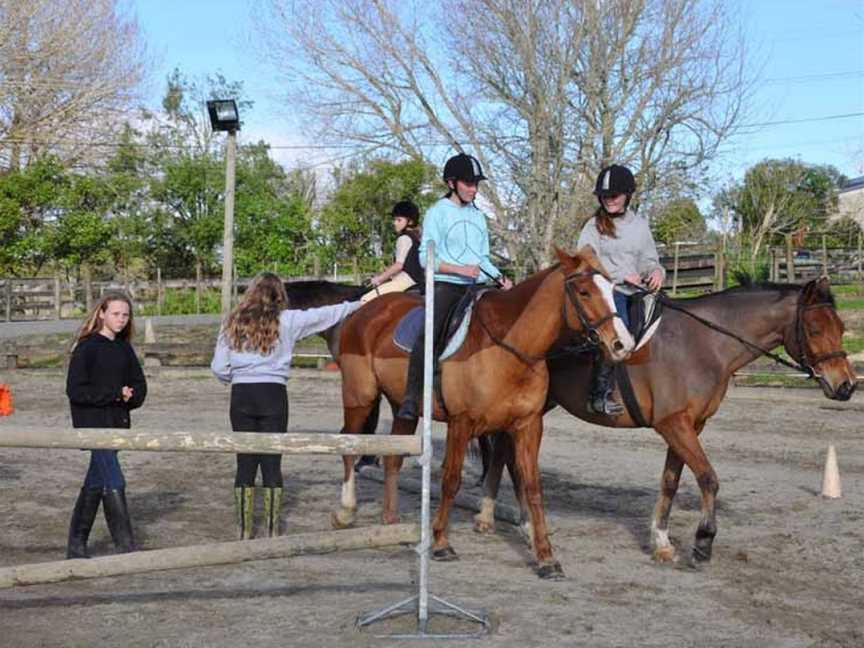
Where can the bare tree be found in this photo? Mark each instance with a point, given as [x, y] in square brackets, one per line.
[68, 71]
[543, 92]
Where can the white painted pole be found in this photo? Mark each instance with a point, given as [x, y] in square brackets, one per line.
[426, 455]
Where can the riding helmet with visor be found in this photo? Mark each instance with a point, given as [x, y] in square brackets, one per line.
[615, 179]
[407, 210]
[463, 167]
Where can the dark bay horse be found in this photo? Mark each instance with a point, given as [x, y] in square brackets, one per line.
[683, 375]
[497, 380]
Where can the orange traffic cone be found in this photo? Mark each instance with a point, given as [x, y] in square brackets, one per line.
[831, 478]
[6, 407]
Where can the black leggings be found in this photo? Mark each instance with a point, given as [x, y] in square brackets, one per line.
[259, 407]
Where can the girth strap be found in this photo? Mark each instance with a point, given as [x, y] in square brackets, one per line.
[622, 377]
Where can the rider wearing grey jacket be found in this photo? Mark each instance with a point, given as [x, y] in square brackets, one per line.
[625, 247]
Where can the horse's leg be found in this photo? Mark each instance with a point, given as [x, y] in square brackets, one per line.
[493, 467]
[392, 465]
[663, 550]
[370, 425]
[526, 440]
[682, 436]
[458, 435]
[354, 419]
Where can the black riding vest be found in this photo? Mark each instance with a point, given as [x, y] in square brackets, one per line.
[412, 261]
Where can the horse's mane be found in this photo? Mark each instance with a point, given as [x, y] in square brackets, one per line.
[746, 285]
[318, 292]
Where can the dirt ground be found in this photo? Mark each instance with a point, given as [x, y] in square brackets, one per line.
[787, 568]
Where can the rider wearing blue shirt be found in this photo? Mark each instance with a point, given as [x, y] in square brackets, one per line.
[461, 239]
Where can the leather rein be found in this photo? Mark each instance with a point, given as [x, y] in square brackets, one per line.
[589, 328]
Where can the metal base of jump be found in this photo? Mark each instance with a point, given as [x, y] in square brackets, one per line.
[424, 603]
[437, 606]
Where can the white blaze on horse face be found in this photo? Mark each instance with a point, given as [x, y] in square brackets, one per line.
[606, 289]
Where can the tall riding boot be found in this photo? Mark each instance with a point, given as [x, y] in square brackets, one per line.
[600, 400]
[410, 408]
[244, 499]
[273, 511]
[83, 516]
[117, 516]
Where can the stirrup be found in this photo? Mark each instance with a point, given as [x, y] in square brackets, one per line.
[605, 406]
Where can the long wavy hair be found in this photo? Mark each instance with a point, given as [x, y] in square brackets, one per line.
[253, 325]
[94, 322]
[605, 223]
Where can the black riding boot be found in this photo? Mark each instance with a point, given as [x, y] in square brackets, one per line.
[117, 516]
[410, 408]
[600, 400]
[83, 515]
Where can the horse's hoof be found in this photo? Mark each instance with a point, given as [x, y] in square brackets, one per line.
[551, 571]
[701, 554]
[388, 518]
[665, 555]
[482, 526]
[445, 554]
[342, 519]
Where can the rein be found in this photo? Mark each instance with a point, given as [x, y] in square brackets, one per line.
[799, 335]
[589, 328]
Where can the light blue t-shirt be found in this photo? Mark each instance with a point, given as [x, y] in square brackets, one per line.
[460, 237]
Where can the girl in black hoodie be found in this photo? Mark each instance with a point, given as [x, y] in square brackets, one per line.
[104, 383]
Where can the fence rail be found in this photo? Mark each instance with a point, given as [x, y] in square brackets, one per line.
[24, 299]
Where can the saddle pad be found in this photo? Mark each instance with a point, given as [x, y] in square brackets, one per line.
[409, 328]
[645, 316]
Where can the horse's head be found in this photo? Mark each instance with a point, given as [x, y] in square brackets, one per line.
[589, 307]
[816, 340]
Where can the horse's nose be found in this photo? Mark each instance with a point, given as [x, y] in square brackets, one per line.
[845, 390]
[618, 346]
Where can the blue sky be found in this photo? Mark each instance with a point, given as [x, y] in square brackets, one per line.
[811, 55]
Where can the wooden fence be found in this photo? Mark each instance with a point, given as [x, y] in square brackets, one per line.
[687, 268]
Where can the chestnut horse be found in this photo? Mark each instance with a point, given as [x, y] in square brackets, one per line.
[497, 380]
[683, 376]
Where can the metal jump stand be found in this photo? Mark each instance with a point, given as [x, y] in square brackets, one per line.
[424, 603]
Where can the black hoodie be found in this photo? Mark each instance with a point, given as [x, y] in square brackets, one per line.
[98, 371]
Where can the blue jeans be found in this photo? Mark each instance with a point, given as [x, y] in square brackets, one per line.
[622, 303]
[104, 471]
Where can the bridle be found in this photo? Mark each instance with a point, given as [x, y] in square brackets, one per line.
[806, 363]
[589, 328]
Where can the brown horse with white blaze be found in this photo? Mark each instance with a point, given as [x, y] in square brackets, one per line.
[680, 379]
[497, 380]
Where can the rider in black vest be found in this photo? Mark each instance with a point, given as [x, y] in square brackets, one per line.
[406, 270]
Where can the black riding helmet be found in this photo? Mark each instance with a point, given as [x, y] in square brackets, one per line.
[615, 179]
[463, 167]
[406, 209]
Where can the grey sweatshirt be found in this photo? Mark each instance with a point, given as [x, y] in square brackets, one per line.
[633, 250]
[231, 366]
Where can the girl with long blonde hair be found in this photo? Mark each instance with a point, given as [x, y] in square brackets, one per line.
[253, 355]
[104, 383]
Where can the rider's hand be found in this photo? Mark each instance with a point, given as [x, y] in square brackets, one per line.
[471, 271]
[375, 281]
[654, 280]
[505, 283]
[126, 393]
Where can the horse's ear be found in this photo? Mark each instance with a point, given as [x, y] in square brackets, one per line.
[818, 291]
[563, 258]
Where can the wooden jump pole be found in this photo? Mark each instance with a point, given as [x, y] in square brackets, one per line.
[207, 555]
[198, 441]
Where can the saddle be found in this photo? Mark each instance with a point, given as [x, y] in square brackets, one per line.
[410, 327]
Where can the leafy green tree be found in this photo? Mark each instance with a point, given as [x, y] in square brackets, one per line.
[779, 197]
[679, 220]
[355, 223]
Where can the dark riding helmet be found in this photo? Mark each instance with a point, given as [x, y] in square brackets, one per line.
[615, 179]
[408, 210]
[463, 167]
